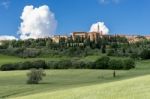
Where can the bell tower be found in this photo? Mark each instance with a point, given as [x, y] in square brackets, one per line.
[98, 28]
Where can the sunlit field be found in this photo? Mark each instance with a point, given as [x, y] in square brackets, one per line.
[78, 84]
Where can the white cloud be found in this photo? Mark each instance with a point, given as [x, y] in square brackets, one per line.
[99, 27]
[5, 4]
[37, 22]
[6, 37]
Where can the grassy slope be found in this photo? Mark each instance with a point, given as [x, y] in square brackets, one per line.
[13, 59]
[136, 88]
[13, 83]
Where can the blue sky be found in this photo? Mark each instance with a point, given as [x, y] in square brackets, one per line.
[120, 16]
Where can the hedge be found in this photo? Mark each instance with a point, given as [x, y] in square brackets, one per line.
[24, 65]
[101, 63]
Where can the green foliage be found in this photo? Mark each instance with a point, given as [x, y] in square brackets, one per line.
[21, 52]
[134, 55]
[24, 65]
[71, 47]
[111, 52]
[145, 54]
[129, 63]
[116, 64]
[35, 75]
[7, 67]
[102, 63]
[104, 49]
[67, 64]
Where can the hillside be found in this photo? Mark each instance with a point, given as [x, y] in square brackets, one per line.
[136, 88]
[13, 83]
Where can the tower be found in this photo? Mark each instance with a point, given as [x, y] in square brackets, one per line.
[98, 29]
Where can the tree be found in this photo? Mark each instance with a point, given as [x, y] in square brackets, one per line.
[49, 43]
[128, 64]
[102, 63]
[104, 49]
[115, 64]
[145, 54]
[35, 75]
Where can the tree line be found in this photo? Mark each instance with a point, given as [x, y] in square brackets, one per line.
[101, 63]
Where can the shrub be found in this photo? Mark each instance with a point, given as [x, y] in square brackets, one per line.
[35, 75]
[7, 67]
[75, 65]
[64, 64]
[52, 65]
[134, 56]
[83, 65]
[145, 54]
[104, 49]
[129, 63]
[116, 64]
[39, 64]
[90, 65]
[102, 63]
[111, 52]
[24, 65]
[30, 53]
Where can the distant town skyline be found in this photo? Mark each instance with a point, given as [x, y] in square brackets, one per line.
[67, 16]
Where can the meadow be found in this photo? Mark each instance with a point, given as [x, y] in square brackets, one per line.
[76, 83]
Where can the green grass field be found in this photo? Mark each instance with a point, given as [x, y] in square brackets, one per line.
[13, 59]
[77, 84]
[136, 88]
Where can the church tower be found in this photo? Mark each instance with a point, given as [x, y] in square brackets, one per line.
[98, 28]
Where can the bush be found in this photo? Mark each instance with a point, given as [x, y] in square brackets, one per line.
[7, 67]
[145, 54]
[64, 64]
[116, 64]
[75, 65]
[31, 53]
[67, 64]
[102, 63]
[134, 56]
[90, 65]
[24, 65]
[111, 52]
[39, 64]
[52, 65]
[35, 75]
[129, 63]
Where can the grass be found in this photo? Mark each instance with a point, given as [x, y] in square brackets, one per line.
[76, 84]
[13, 59]
[136, 88]
[13, 83]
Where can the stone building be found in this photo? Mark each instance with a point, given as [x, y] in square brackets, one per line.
[91, 35]
[56, 38]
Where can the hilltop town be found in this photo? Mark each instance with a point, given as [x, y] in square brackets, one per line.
[94, 35]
